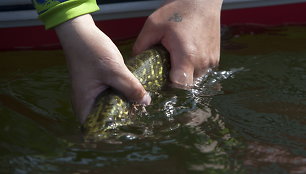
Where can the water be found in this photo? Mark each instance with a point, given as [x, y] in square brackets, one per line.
[247, 116]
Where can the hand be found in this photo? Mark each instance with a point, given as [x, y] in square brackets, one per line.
[94, 63]
[190, 31]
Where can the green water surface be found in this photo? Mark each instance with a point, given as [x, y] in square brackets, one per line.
[248, 116]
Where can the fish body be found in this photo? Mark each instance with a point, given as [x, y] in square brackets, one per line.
[112, 110]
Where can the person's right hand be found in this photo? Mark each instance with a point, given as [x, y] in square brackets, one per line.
[190, 31]
[94, 63]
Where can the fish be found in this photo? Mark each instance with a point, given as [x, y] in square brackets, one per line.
[112, 110]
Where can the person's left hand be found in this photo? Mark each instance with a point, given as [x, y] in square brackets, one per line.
[190, 31]
[95, 63]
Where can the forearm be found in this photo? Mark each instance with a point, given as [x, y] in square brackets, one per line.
[78, 34]
[84, 43]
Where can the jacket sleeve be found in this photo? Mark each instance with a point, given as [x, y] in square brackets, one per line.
[55, 12]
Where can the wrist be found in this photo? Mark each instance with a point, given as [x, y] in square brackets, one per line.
[77, 37]
[74, 25]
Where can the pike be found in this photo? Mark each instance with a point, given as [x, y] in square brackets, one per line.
[112, 110]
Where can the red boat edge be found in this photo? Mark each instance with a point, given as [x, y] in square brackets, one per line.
[36, 37]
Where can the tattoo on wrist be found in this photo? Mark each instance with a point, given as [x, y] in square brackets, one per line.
[176, 17]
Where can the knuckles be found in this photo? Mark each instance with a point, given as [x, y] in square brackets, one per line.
[202, 60]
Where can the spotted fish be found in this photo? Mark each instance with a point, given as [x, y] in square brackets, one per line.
[112, 110]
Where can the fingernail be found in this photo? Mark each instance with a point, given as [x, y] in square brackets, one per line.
[146, 99]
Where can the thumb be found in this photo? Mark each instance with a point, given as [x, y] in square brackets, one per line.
[126, 83]
[148, 37]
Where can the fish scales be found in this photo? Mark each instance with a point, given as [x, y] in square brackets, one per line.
[112, 109]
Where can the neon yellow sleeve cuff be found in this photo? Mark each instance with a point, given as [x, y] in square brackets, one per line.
[64, 11]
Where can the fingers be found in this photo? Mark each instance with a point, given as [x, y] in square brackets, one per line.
[148, 37]
[83, 98]
[189, 64]
[125, 82]
[204, 63]
[181, 69]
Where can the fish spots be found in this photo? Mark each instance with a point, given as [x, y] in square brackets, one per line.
[151, 70]
[160, 72]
